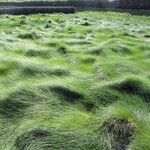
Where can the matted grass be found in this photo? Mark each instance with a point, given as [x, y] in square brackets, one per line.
[78, 81]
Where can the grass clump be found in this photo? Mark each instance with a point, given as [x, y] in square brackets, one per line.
[67, 94]
[12, 109]
[62, 49]
[105, 96]
[134, 86]
[28, 35]
[86, 23]
[37, 53]
[47, 139]
[119, 133]
[88, 60]
[35, 70]
[4, 69]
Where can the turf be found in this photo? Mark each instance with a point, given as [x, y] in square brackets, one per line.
[77, 81]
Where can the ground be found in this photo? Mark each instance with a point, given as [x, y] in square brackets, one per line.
[78, 81]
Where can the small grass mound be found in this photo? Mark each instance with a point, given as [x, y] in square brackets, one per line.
[86, 23]
[36, 139]
[17, 102]
[37, 53]
[133, 86]
[28, 35]
[96, 51]
[113, 46]
[53, 43]
[24, 95]
[33, 70]
[88, 60]
[78, 42]
[118, 133]
[105, 96]
[41, 139]
[6, 67]
[11, 109]
[62, 49]
[70, 96]
[67, 94]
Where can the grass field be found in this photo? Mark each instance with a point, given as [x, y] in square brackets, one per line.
[75, 82]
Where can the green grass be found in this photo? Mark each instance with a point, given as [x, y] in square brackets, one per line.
[78, 81]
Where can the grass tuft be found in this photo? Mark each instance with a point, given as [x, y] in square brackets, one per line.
[67, 94]
[118, 133]
[134, 86]
[28, 35]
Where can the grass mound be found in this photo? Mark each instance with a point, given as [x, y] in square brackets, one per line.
[78, 42]
[119, 133]
[34, 70]
[6, 67]
[24, 95]
[67, 94]
[88, 60]
[86, 23]
[15, 104]
[37, 53]
[28, 35]
[62, 49]
[37, 139]
[105, 96]
[41, 139]
[111, 46]
[134, 86]
[12, 109]
[71, 96]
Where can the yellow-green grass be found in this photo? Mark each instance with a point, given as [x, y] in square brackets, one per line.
[65, 79]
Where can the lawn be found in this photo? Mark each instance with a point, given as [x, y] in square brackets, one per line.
[75, 82]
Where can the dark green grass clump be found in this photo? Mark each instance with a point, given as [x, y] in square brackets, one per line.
[38, 53]
[7, 67]
[28, 35]
[70, 96]
[67, 94]
[105, 96]
[4, 70]
[135, 87]
[119, 133]
[12, 109]
[41, 139]
[31, 71]
[88, 60]
[62, 49]
[15, 104]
